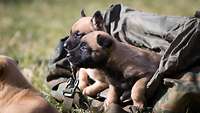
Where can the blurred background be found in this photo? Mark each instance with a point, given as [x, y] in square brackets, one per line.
[30, 29]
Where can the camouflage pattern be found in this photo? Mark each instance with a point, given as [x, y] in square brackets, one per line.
[182, 95]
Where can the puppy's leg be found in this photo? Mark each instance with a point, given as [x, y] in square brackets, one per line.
[99, 78]
[83, 79]
[111, 97]
[138, 92]
[95, 88]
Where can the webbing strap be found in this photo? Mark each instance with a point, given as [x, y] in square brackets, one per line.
[56, 82]
[68, 102]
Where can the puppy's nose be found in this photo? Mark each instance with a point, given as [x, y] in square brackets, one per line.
[69, 44]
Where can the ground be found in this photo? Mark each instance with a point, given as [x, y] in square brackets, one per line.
[30, 29]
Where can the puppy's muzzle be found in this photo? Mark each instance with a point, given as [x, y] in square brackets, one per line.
[73, 55]
[71, 43]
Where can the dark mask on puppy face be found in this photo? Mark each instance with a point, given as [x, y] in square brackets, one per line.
[73, 40]
[91, 52]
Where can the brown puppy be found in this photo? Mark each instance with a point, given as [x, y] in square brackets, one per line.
[16, 94]
[126, 66]
[81, 27]
[88, 24]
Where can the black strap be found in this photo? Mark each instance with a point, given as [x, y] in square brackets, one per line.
[58, 94]
[71, 87]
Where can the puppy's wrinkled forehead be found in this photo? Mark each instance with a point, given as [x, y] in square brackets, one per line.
[91, 38]
[83, 25]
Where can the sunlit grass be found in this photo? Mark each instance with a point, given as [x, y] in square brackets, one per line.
[30, 29]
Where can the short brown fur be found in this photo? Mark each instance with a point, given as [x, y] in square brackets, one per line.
[16, 94]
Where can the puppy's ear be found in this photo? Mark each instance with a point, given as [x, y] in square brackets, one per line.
[97, 20]
[104, 41]
[83, 13]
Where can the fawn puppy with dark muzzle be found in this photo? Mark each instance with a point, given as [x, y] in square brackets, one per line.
[81, 27]
[125, 66]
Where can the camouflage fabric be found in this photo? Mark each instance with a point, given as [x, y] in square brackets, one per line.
[142, 29]
[183, 95]
[182, 55]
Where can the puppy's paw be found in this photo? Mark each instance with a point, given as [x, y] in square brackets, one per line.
[107, 103]
[88, 91]
[82, 85]
[85, 92]
[139, 105]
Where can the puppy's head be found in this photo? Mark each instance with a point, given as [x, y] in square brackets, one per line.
[92, 50]
[83, 26]
[88, 24]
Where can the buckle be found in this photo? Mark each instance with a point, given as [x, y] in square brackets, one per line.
[71, 86]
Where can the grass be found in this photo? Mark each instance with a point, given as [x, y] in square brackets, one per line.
[30, 29]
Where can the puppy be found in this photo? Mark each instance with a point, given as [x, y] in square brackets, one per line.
[81, 27]
[16, 94]
[88, 24]
[125, 65]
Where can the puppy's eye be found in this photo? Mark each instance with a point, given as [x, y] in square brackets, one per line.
[78, 34]
[82, 34]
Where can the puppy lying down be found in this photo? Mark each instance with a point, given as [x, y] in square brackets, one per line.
[16, 94]
[125, 66]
